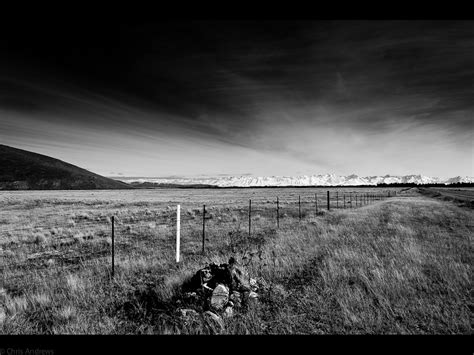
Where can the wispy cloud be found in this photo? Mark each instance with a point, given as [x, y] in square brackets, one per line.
[190, 98]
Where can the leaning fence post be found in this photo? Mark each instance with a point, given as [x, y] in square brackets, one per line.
[250, 211]
[278, 214]
[203, 227]
[113, 246]
[178, 227]
[328, 200]
[299, 207]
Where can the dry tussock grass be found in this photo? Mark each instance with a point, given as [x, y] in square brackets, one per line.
[402, 266]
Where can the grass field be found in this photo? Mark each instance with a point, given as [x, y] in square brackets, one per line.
[463, 197]
[401, 265]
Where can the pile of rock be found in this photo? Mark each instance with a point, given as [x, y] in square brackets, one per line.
[220, 290]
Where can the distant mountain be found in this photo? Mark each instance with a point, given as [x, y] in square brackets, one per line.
[305, 180]
[24, 170]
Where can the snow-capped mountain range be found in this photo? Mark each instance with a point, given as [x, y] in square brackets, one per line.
[304, 180]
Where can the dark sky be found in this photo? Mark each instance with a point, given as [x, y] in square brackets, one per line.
[238, 97]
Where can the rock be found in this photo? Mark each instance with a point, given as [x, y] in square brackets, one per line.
[207, 288]
[253, 285]
[221, 274]
[228, 312]
[236, 298]
[214, 320]
[206, 275]
[253, 295]
[220, 297]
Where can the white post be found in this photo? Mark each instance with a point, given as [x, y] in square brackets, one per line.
[178, 223]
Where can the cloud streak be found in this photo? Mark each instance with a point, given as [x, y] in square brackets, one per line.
[337, 97]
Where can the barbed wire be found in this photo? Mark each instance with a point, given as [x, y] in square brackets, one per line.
[151, 221]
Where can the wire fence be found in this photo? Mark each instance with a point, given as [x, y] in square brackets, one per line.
[107, 240]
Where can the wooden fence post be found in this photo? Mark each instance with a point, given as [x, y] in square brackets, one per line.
[178, 231]
[278, 214]
[113, 246]
[328, 201]
[316, 202]
[250, 211]
[203, 227]
[337, 199]
[344, 200]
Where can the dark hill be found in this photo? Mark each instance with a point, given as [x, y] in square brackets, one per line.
[24, 170]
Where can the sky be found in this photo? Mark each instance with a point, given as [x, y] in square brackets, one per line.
[207, 98]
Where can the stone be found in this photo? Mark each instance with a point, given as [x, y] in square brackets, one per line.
[214, 320]
[207, 288]
[221, 274]
[206, 275]
[220, 297]
[228, 312]
[253, 295]
[235, 299]
[253, 285]
[201, 277]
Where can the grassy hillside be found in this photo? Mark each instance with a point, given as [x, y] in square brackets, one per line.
[24, 170]
[399, 266]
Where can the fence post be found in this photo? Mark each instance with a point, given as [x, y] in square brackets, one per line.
[316, 202]
[278, 213]
[203, 227]
[299, 207]
[337, 199]
[178, 231]
[250, 211]
[328, 201]
[113, 246]
[344, 195]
